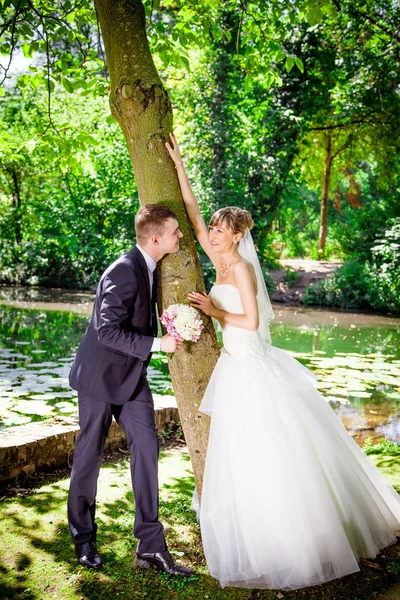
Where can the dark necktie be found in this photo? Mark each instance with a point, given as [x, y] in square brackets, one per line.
[154, 300]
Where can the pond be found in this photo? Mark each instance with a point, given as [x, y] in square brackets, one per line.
[356, 358]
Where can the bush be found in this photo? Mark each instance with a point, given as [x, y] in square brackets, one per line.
[384, 271]
[365, 284]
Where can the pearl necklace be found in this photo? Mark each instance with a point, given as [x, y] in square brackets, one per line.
[225, 268]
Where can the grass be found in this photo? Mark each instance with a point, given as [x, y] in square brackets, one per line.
[37, 560]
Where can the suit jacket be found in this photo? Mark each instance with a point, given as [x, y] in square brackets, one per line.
[116, 345]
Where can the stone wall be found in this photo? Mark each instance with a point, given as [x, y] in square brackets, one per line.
[37, 446]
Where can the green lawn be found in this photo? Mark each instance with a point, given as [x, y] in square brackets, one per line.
[37, 560]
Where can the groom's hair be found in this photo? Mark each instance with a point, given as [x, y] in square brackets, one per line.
[150, 220]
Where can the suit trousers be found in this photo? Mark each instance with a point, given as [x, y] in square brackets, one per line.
[137, 420]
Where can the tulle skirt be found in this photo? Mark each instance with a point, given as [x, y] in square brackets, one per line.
[289, 499]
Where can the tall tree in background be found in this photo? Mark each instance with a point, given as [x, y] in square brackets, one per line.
[350, 98]
[240, 134]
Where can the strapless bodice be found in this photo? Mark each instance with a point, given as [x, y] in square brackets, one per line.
[242, 343]
[226, 296]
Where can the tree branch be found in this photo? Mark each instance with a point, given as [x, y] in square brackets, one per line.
[49, 88]
[77, 5]
[12, 47]
[345, 145]
[243, 9]
[365, 16]
[362, 121]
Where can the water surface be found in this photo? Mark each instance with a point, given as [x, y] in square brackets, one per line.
[356, 358]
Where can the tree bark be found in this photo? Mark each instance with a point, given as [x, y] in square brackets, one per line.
[142, 108]
[323, 227]
[14, 178]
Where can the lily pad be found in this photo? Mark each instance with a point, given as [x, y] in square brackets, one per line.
[360, 394]
[34, 407]
[17, 420]
[68, 409]
[64, 404]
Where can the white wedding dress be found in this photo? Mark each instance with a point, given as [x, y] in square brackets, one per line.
[289, 499]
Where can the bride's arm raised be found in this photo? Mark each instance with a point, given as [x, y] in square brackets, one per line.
[189, 199]
[245, 282]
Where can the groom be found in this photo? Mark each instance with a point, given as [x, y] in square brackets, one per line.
[109, 373]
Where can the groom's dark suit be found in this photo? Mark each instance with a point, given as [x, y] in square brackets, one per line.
[109, 373]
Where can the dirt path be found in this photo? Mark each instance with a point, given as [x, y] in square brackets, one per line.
[290, 289]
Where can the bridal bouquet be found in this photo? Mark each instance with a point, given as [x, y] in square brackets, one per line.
[183, 322]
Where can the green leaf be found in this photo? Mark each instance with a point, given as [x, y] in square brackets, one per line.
[268, 80]
[330, 9]
[86, 138]
[299, 64]
[23, 81]
[165, 58]
[248, 82]
[314, 16]
[217, 34]
[67, 84]
[185, 62]
[274, 46]
[26, 30]
[26, 50]
[289, 63]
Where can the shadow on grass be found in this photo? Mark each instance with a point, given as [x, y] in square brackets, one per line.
[388, 462]
[46, 502]
[115, 542]
[19, 587]
[24, 579]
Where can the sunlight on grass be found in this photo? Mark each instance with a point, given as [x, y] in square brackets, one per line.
[37, 559]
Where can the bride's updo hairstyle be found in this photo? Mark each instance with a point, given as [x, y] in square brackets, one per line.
[237, 219]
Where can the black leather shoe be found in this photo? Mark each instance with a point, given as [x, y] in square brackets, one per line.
[87, 555]
[162, 561]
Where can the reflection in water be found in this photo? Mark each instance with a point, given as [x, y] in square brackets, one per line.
[357, 360]
[356, 357]
[36, 351]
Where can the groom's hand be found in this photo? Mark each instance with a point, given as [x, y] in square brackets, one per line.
[169, 344]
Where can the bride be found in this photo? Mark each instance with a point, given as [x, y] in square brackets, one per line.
[289, 499]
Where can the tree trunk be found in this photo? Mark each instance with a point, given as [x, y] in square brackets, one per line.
[14, 178]
[323, 228]
[142, 108]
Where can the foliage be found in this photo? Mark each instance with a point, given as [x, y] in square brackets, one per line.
[383, 447]
[350, 105]
[348, 287]
[256, 87]
[238, 139]
[67, 221]
[291, 277]
[374, 283]
[384, 269]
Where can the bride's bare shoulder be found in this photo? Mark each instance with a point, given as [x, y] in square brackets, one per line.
[244, 268]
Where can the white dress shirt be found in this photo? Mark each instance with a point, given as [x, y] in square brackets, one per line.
[151, 266]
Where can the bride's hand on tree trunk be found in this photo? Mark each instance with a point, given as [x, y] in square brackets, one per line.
[202, 302]
[173, 150]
